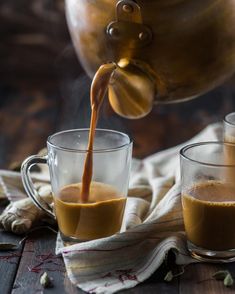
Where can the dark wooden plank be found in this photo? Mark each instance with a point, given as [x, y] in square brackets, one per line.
[198, 279]
[40, 245]
[40, 250]
[9, 260]
[155, 284]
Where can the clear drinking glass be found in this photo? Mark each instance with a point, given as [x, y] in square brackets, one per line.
[208, 200]
[229, 128]
[102, 215]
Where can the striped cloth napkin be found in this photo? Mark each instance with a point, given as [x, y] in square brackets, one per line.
[153, 225]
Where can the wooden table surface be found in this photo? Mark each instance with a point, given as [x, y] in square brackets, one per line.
[24, 132]
[20, 271]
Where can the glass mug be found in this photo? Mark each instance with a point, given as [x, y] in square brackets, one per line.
[229, 128]
[102, 215]
[208, 200]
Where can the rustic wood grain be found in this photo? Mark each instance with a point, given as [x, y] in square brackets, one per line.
[43, 243]
[9, 260]
[39, 245]
[198, 279]
[155, 284]
[35, 43]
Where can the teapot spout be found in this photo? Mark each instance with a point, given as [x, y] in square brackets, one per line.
[131, 90]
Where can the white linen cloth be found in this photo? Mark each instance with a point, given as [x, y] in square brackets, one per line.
[153, 225]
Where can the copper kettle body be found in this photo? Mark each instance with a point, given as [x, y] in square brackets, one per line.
[179, 49]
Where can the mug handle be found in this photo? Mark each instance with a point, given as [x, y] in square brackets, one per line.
[28, 183]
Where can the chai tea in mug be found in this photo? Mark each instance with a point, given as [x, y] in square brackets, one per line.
[100, 217]
[209, 215]
[208, 200]
[101, 213]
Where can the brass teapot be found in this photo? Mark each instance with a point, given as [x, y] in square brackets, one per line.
[165, 50]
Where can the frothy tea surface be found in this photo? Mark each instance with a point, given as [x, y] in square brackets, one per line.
[100, 217]
[209, 215]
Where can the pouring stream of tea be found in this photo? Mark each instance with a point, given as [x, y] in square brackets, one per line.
[98, 90]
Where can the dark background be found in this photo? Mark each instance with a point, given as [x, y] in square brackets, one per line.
[44, 89]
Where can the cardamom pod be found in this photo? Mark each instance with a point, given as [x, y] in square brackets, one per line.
[228, 280]
[8, 246]
[45, 280]
[169, 277]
